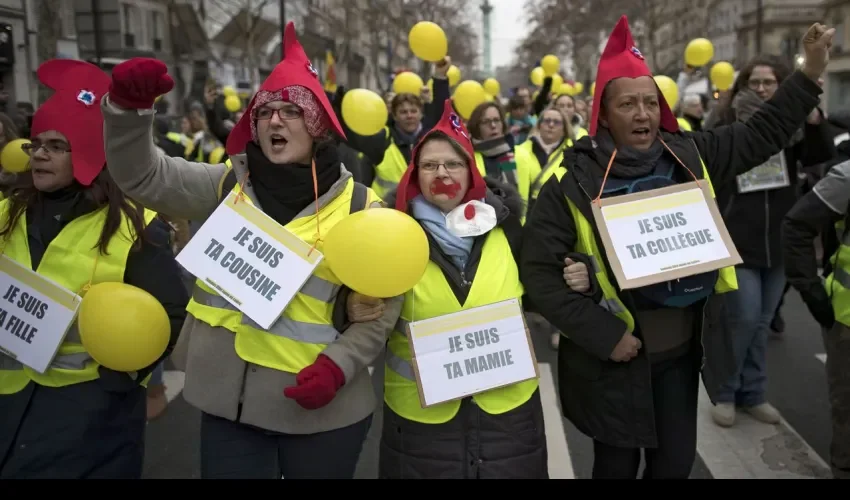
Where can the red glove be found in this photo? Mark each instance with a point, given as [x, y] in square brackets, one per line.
[317, 384]
[138, 82]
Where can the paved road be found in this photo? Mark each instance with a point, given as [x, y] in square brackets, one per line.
[795, 449]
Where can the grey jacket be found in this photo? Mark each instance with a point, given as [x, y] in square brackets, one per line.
[218, 381]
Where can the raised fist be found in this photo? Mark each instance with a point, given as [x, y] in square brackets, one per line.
[137, 83]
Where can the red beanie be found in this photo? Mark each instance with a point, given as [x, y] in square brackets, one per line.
[295, 70]
[74, 111]
[621, 59]
[451, 125]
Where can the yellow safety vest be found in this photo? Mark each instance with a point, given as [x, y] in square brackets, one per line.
[524, 174]
[684, 125]
[838, 282]
[580, 132]
[727, 280]
[71, 260]
[389, 172]
[497, 279]
[541, 173]
[305, 328]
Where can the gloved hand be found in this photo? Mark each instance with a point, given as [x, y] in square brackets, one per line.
[137, 83]
[361, 308]
[819, 305]
[317, 384]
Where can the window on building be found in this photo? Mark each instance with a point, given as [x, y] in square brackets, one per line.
[158, 30]
[69, 27]
[131, 25]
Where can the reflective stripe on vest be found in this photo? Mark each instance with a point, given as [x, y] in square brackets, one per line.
[71, 260]
[586, 244]
[388, 173]
[541, 172]
[838, 282]
[305, 328]
[497, 279]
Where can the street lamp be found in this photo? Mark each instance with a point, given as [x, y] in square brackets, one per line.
[282, 4]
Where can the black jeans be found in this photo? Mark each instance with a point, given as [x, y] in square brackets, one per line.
[675, 392]
[230, 450]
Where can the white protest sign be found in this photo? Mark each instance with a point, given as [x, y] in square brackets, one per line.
[664, 234]
[250, 260]
[35, 315]
[772, 174]
[471, 351]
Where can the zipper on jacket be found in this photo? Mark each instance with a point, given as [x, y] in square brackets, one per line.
[463, 282]
[767, 226]
[702, 335]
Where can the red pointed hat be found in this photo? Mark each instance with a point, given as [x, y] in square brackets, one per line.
[621, 59]
[293, 72]
[451, 125]
[74, 111]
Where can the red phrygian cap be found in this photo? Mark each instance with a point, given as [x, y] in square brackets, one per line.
[74, 111]
[451, 125]
[295, 69]
[621, 59]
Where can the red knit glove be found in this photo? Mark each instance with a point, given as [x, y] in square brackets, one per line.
[317, 384]
[138, 82]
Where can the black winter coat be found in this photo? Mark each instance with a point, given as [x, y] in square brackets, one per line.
[612, 402]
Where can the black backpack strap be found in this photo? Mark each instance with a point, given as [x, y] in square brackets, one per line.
[359, 197]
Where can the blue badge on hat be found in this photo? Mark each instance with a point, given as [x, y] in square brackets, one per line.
[636, 52]
[456, 126]
[86, 97]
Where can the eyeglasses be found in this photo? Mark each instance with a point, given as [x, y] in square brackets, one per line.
[491, 122]
[55, 147]
[755, 84]
[451, 165]
[287, 113]
[552, 121]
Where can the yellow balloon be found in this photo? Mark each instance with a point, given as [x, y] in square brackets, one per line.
[722, 75]
[408, 83]
[579, 87]
[453, 74]
[592, 88]
[467, 96]
[232, 103]
[567, 89]
[364, 111]
[379, 252]
[699, 52]
[668, 89]
[13, 158]
[537, 76]
[492, 87]
[228, 91]
[122, 327]
[428, 41]
[550, 64]
[557, 81]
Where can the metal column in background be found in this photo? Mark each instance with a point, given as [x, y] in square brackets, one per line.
[486, 9]
[95, 12]
[282, 4]
[759, 23]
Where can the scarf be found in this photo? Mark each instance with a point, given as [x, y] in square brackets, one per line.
[630, 163]
[499, 162]
[283, 190]
[746, 103]
[406, 138]
[434, 222]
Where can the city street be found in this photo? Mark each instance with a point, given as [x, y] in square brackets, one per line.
[797, 448]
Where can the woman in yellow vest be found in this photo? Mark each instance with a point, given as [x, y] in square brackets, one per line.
[494, 150]
[73, 226]
[544, 149]
[493, 434]
[410, 118]
[568, 105]
[295, 400]
[629, 362]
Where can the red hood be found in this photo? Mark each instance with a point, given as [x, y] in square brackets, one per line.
[621, 59]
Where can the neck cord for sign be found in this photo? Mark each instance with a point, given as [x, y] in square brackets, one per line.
[598, 198]
[318, 235]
